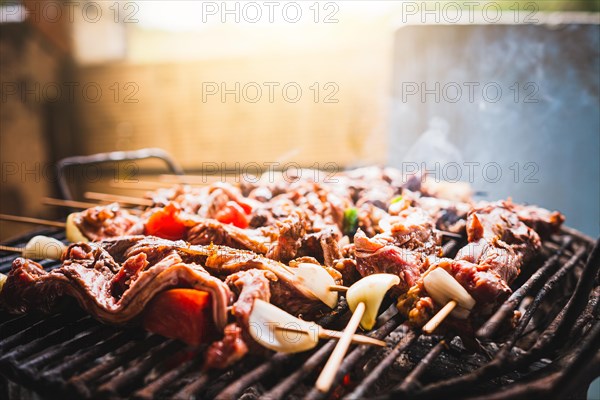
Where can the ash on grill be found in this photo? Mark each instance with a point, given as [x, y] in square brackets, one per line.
[553, 352]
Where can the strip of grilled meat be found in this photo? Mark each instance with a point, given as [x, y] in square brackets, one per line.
[499, 245]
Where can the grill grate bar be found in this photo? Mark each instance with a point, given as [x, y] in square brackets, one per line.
[220, 381]
[358, 354]
[54, 322]
[137, 368]
[50, 353]
[450, 248]
[557, 278]
[361, 390]
[235, 389]
[150, 391]
[83, 356]
[15, 325]
[503, 362]
[42, 342]
[588, 315]
[557, 384]
[537, 279]
[413, 378]
[196, 385]
[586, 355]
[110, 363]
[313, 362]
[558, 330]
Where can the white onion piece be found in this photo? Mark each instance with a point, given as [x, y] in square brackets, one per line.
[385, 224]
[43, 247]
[2, 280]
[442, 288]
[265, 317]
[370, 290]
[317, 279]
[73, 233]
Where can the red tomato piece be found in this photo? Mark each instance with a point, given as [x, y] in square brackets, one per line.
[166, 224]
[233, 214]
[246, 206]
[183, 314]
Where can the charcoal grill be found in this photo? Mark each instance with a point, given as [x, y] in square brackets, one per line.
[552, 353]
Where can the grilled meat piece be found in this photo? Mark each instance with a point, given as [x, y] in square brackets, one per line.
[450, 216]
[500, 257]
[376, 255]
[543, 221]
[289, 239]
[250, 285]
[221, 261]
[210, 231]
[225, 352]
[498, 225]
[402, 250]
[91, 275]
[500, 244]
[108, 221]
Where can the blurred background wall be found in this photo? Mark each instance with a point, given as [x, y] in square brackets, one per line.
[308, 83]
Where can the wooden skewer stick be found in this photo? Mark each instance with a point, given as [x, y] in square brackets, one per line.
[29, 220]
[67, 203]
[79, 204]
[329, 334]
[327, 376]
[118, 198]
[11, 249]
[139, 185]
[198, 180]
[439, 317]
[338, 288]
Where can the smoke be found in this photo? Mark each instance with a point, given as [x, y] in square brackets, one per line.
[434, 146]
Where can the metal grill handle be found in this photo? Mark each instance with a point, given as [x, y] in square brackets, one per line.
[113, 156]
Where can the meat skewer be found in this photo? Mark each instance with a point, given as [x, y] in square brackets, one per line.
[316, 282]
[117, 294]
[325, 379]
[39, 248]
[364, 299]
[500, 243]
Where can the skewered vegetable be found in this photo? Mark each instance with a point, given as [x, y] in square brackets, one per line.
[183, 314]
[442, 287]
[265, 318]
[73, 233]
[370, 290]
[318, 280]
[165, 223]
[42, 247]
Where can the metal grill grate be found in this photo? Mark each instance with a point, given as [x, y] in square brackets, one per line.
[553, 349]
